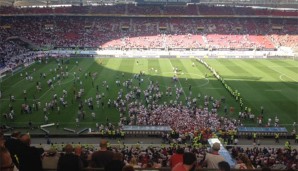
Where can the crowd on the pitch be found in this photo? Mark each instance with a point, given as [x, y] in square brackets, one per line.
[150, 106]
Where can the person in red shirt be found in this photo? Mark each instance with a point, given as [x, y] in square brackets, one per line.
[177, 157]
[188, 164]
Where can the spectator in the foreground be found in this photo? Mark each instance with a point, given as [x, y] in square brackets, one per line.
[14, 146]
[266, 169]
[103, 156]
[212, 159]
[6, 163]
[189, 163]
[2, 139]
[128, 168]
[246, 162]
[78, 151]
[134, 162]
[69, 161]
[116, 164]
[240, 165]
[176, 157]
[224, 166]
[30, 159]
[50, 160]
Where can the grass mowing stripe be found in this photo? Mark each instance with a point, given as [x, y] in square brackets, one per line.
[287, 67]
[49, 88]
[272, 105]
[256, 74]
[265, 85]
[178, 80]
[295, 81]
[260, 94]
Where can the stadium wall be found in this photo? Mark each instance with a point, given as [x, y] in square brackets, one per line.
[165, 54]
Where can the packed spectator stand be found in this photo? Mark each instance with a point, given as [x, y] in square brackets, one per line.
[127, 26]
[164, 157]
[190, 9]
[151, 33]
[134, 31]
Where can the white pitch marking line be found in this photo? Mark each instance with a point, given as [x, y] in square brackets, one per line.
[213, 88]
[178, 80]
[280, 77]
[15, 99]
[233, 79]
[283, 74]
[56, 84]
[283, 66]
[272, 90]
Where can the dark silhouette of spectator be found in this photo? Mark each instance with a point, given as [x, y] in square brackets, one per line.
[30, 158]
[6, 163]
[116, 164]
[102, 157]
[69, 161]
[176, 157]
[14, 146]
[189, 163]
[266, 169]
[224, 166]
[128, 168]
[78, 150]
[2, 139]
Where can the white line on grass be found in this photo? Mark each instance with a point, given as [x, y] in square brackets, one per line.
[44, 93]
[55, 84]
[18, 82]
[272, 90]
[178, 80]
[161, 73]
[283, 66]
[283, 74]
[15, 73]
[280, 77]
[237, 79]
[213, 88]
[15, 99]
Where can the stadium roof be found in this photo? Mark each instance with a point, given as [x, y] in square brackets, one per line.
[269, 3]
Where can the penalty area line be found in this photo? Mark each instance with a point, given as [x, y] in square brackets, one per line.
[272, 90]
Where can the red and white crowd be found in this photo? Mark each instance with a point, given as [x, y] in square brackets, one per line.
[146, 33]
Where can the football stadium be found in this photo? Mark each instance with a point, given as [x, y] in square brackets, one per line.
[157, 85]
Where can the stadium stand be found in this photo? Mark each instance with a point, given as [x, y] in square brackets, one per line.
[144, 33]
[123, 27]
[159, 157]
[190, 9]
[154, 33]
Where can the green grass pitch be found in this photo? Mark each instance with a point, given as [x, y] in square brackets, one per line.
[272, 84]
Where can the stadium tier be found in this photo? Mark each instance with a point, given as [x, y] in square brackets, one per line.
[146, 33]
[128, 71]
[155, 10]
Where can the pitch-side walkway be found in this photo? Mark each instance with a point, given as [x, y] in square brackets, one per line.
[146, 141]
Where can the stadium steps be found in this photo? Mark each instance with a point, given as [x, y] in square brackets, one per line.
[198, 11]
[205, 39]
[23, 42]
[126, 10]
[272, 40]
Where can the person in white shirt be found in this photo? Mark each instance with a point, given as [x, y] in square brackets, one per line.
[212, 159]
